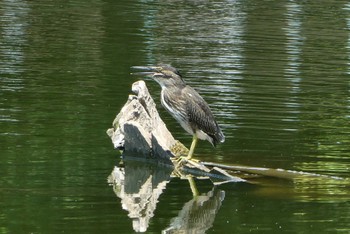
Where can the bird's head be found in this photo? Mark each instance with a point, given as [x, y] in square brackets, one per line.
[165, 75]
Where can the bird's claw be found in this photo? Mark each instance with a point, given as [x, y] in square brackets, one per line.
[181, 158]
[181, 161]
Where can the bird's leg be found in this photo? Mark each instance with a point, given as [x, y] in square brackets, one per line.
[193, 186]
[193, 146]
[189, 158]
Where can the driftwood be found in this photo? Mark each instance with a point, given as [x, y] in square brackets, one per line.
[141, 134]
[138, 129]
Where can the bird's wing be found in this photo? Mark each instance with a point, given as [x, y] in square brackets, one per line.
[200, 115]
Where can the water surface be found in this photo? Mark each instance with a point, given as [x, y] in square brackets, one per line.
[275, 73]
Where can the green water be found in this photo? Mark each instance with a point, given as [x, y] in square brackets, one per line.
[275, 73]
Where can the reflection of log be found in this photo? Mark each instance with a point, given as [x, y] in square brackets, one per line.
[139, 187]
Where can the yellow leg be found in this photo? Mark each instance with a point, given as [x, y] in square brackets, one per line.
[193, 146]
[193, 186]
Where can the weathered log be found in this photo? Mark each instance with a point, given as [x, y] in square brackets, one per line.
[139, 130]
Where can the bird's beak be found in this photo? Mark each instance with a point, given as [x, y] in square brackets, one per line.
[145, 71]
[144, 68]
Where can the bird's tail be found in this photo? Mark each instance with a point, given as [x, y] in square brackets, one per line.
[219, 137]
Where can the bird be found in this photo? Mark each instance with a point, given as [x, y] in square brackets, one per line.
[185, 104]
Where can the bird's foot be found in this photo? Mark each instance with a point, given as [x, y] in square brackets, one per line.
[181, 161]
[189, 162]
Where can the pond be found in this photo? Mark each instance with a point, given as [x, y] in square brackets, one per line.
[275, 74]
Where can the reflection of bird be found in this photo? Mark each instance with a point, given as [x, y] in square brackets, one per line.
[198, 214]
[184, 104]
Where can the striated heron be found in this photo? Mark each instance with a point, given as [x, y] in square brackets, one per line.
[184, 104]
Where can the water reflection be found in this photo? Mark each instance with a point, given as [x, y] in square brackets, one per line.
[198, 214]
[142, 189]
[140, 185]
[294, 42]
[13, 41]
[322, 189]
